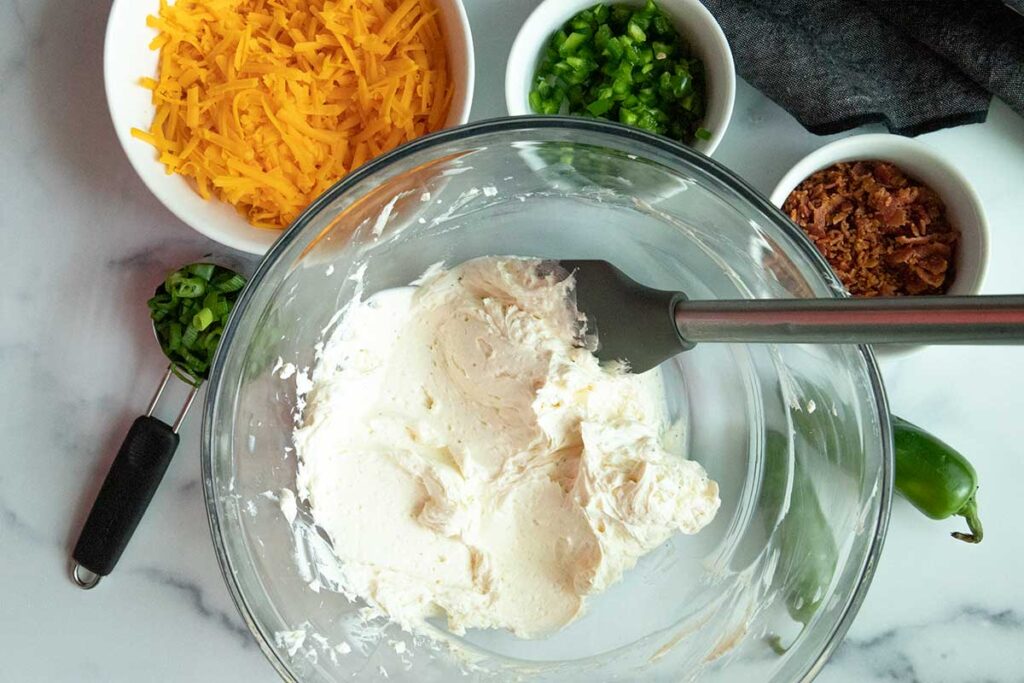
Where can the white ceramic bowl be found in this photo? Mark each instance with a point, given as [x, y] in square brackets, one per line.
[127, 57]
[921, 163]
[693, 21]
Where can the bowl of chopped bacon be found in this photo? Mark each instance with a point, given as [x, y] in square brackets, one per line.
[238, 115]
[892, 217]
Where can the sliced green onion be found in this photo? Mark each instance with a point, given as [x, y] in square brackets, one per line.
[232, 283]
[202, 319]
[189, 337]
[202, 270]
[189, 312]
[189, 288]
[174, 336]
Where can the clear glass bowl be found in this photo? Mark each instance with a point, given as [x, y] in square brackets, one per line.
[797, 436]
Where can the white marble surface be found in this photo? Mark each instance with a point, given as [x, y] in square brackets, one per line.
[83, 243]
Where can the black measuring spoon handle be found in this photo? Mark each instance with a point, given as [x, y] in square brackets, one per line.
[129, 487]
[126, 492]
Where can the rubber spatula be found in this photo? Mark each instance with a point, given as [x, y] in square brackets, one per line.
[645, 327]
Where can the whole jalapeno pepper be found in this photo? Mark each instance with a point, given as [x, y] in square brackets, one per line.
[935, 478]
[807, 549]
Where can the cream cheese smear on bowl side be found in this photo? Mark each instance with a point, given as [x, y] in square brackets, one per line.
[471, 460]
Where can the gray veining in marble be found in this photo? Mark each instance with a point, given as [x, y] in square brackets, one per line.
[196, 596]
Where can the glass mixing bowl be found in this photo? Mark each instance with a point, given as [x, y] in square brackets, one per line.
[796, 435]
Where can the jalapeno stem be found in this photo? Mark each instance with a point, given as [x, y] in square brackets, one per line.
[970, 512]
[775, 643]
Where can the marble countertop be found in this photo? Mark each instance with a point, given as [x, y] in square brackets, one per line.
[83, 242]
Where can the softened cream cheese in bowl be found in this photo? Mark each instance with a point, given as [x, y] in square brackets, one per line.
[330, 340]
[469, 458]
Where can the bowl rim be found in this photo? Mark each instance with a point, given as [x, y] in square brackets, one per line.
[535, 31]
[518, 123]
[151, 172]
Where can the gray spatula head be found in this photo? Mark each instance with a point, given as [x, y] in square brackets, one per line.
[633, 323]
[646, 327]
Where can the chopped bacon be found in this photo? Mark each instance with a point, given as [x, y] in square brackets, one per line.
[883, 233]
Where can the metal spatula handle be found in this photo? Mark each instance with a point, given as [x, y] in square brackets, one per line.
[878, 320]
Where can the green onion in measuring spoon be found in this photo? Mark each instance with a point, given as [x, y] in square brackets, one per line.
[189, 312]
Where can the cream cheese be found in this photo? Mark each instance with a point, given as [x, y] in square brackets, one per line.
[469, 460]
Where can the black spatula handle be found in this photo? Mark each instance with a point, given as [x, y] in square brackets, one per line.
[129, 487]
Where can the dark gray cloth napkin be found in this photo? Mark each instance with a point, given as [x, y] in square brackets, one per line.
[914, 65]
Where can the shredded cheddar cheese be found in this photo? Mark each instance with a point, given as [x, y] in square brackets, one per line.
[267, 103]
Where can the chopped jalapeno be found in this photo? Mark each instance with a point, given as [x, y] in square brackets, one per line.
[626, 64]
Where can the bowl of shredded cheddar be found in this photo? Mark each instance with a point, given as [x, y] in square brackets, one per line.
[238, 114]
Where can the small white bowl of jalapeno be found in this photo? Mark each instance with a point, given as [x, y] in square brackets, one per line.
[663, 66]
